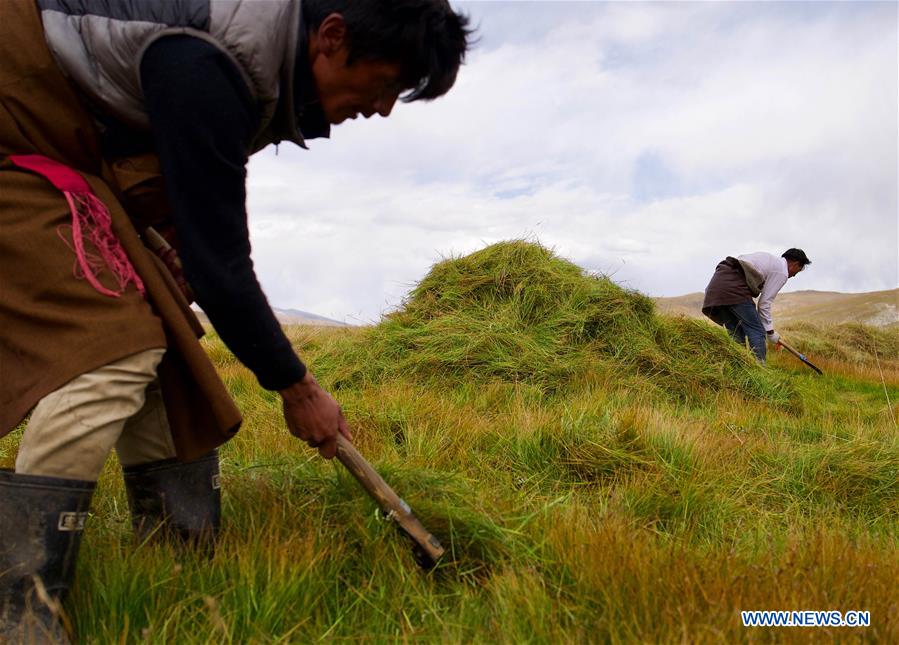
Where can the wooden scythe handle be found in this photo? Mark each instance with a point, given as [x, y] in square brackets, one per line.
[394, 507]
[800, 356]
[158, 244]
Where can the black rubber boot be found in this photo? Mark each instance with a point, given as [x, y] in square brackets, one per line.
[41, 522]
[173, 498]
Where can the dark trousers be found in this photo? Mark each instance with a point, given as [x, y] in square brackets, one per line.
[741, 321]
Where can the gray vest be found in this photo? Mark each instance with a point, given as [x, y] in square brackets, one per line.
[754, 279]
[99, 45]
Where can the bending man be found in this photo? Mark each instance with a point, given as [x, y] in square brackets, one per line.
[116, 117]
[729, 295]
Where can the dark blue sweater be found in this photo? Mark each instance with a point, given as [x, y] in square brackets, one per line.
[203, 118]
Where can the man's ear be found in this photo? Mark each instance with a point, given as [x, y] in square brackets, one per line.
[331, 34]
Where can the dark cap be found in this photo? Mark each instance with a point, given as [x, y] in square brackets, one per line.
[798, 255]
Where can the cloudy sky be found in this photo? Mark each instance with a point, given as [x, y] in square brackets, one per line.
[645, 141]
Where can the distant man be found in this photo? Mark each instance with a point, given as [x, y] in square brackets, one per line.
[729, 295]
[119, 120]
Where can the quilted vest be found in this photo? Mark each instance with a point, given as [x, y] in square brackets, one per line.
[99, 46]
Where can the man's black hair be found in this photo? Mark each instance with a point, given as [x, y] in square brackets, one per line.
[798, 255]
[426, 37]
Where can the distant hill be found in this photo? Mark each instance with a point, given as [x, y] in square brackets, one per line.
[878, 308]
[297, 317]
[292, 317]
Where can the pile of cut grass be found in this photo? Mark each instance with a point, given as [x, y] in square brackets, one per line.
[516, 312]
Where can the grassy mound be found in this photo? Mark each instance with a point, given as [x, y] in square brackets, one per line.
[516, 312]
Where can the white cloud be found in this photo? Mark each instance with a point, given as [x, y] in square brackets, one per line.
[648, 140]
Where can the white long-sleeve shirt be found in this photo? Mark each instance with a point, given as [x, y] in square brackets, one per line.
[774, 269]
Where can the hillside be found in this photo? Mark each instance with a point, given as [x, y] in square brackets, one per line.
[297, 317]
[876, 308]
[290, 317]
[597, 472]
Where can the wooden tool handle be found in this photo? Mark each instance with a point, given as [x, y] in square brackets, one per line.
[800, 356]
[158, 244]
[389, 501]
[794, 352]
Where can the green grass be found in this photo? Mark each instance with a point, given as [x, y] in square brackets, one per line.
[597, 472]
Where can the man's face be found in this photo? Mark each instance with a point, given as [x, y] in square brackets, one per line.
[365, 87]
[793, 267]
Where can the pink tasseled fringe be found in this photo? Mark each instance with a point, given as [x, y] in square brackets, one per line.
[90, 220]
